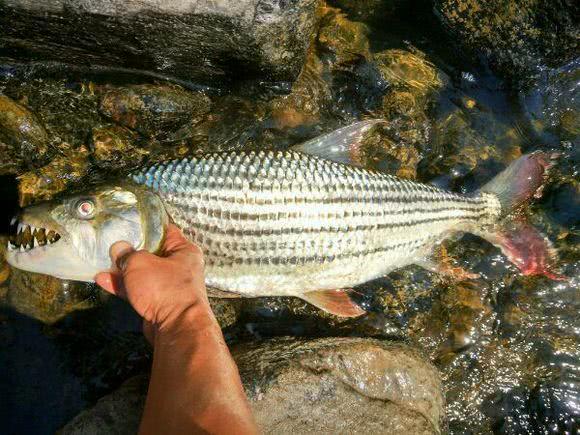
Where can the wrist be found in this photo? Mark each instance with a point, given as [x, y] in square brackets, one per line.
[194, 319]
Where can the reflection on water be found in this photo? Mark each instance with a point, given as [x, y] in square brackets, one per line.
[508, 346]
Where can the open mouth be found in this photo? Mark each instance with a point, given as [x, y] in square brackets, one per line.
[25, 237]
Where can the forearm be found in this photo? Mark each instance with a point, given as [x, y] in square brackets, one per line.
[194, 381]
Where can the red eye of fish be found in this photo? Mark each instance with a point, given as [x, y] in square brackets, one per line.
[85, 208]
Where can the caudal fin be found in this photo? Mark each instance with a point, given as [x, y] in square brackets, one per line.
[521, 180]
[520, 242]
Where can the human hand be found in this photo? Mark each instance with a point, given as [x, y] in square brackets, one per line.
[162, 289]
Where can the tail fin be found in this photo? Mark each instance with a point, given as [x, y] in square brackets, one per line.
[520, 242]
[521, 180]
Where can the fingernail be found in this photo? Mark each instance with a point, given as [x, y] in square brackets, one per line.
[119, 252]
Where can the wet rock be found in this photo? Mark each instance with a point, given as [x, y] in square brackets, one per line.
[226, 311]
[60, 173]
[46, 298]
[337, 385]
[412, 84]
[153, 110]
[119, 413]
[4, 269]
[23, 139]
[115, 147]
[340, 385]
[342, 38]
[67, 110]
[392, 151]
[409, 71]
[519, 38]
[367, 10]
[192, 40]
[552, 106]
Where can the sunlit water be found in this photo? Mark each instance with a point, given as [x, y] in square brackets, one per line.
[508, 347]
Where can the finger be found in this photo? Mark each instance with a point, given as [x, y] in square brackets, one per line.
[119, 253]
[174, 239]
[111, 282]
[180, 248]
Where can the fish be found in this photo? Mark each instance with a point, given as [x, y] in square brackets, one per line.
[309, 222]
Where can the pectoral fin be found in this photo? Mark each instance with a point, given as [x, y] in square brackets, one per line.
[342, 145]
[336, 302]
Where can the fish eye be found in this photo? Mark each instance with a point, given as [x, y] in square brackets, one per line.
[85, 208]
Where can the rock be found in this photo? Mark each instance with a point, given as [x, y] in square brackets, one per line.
[374, 11]
[195, 40]
[60, 173]
[334, 385]
[553, 105]
[226, 311]
[409, 71]
[519, 38]
[340, 385]
[67, 109]
[46, 298]
[344, 39]
[115, 148]
[153, 110]
[23, 139]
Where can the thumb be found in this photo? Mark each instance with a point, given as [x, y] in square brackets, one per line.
[119, 252]
[112, 280]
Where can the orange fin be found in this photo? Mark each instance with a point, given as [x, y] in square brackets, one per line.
[336, 302]
[441, 263]
[527, 248]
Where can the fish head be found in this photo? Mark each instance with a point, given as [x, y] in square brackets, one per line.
[70, 237]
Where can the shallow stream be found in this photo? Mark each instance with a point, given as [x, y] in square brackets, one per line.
[507, 346]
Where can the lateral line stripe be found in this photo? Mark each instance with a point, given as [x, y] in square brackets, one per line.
[237, 216]
[208, 229]
[231, 260]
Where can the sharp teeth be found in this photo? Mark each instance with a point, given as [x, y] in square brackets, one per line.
[41, 237]
[22, 248]
[13, 221]
[19, 229]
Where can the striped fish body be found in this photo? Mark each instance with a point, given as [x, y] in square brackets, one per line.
[286, 223]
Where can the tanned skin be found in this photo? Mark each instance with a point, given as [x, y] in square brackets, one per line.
[195, 386]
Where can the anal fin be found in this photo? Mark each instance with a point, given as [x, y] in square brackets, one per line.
[336, 302]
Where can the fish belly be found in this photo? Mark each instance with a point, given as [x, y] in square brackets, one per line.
[284, 223]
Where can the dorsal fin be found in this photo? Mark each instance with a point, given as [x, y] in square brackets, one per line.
[342, 145]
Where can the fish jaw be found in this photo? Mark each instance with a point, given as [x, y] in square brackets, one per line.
[56, 260]
[39, 244]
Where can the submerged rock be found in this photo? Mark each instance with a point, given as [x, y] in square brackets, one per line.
[519, 38]
[192, 40]
[335, 385]
[153, 110]
[23, 139]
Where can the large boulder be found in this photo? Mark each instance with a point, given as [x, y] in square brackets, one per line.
[188, 39]
[333, 385]
[520, 38]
